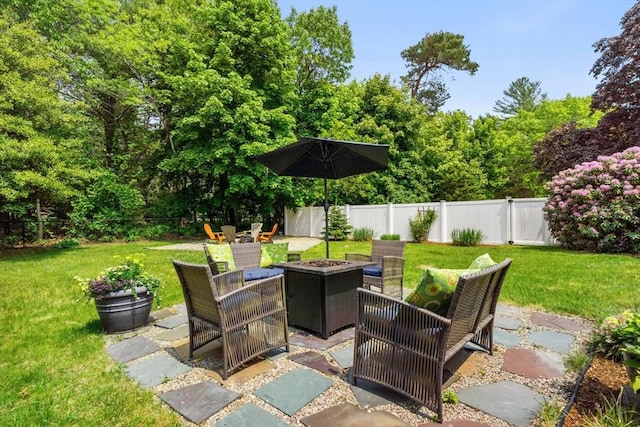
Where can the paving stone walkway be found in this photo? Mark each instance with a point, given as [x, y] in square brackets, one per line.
[310, 385]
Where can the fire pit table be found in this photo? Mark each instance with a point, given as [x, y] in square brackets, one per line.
[321, 293]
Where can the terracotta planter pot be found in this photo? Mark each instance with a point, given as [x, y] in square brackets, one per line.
[120, 311]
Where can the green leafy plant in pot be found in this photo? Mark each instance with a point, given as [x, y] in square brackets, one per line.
[123, 295]
[619, 337]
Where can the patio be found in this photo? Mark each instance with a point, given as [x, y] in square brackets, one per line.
[309, 385]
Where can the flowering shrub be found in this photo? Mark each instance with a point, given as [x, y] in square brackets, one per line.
[125, 277]
[617, 334]
[620, 335]
[596, 205]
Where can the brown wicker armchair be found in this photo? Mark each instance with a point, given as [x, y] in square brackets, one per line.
[405, 348]
[387, 275]
[251, 318]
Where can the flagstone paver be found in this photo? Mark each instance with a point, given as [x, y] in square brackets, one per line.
[531, 363]
[372, 395]
[507, 339]
[174, 334]
[509, 401]
[316, 361]
[199, 401]
[350, 415]
[293, 390]
[172, 321]
[553, 321]
[309, 340]
[554, 341]
[251, 415]
[131, 349]
[155, 370]
[507, 323]
[343, 356]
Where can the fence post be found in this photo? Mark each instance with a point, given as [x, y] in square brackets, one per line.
[390, 223]
[511, 221]
[443, 221]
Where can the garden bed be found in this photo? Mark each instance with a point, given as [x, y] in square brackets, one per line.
[602, 385]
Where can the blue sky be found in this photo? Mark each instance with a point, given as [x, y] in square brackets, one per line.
[550, 41]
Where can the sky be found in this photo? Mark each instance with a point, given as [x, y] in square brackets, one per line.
[549, 41]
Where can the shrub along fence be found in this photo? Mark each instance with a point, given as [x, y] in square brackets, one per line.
[504, 221]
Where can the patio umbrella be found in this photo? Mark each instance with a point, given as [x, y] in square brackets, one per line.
[327, 159]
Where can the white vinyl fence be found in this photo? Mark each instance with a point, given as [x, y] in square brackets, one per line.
[513, 221]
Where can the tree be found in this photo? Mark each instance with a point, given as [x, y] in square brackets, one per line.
[323, 53]
[322, 47]
[522, 94]
[617, 92]
[435, 52]
[231, 101]
[41, 163]
[520, 133]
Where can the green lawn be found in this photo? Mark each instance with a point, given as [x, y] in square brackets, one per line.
[55, 371]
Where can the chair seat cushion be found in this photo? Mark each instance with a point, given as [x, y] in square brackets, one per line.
[257, 273]
[373, 270]
[435, 289]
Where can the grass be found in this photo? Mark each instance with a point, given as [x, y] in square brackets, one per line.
[55, 371]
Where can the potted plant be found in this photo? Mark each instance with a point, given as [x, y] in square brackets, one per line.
[619, 338]
[123, 295]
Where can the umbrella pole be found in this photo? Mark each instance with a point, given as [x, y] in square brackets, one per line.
[326, 214]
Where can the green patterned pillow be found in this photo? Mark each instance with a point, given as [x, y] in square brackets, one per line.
[277, 252]
[221, 253]
[483, 261]
[265, 257]
[435, 289]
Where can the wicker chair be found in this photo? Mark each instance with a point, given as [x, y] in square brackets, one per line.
[251, 319]
[405, 348]
[387, 275]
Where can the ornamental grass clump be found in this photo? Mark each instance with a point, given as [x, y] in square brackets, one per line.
[124, 277]
[596, 206]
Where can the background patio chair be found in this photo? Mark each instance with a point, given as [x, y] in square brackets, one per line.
[251, 319]
[229, 232]
[267, 236]
[209, 231]
[388, 273]
[405, 348]
[256, 229]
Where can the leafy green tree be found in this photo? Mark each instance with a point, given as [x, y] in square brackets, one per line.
[231, 101]
[41, 163]
[435, 52]
[450, 161]
[522, 94]
[322, 47]
[323, 54]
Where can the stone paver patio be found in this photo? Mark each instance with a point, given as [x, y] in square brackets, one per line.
[289, 387]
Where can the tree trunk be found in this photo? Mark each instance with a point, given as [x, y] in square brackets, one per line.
[39, 220]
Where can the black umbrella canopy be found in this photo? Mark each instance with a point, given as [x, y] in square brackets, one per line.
[327, 159]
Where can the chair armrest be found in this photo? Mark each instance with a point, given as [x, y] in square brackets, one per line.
[218, 267]
[255, 300]
[357, 257]
[392, 266]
